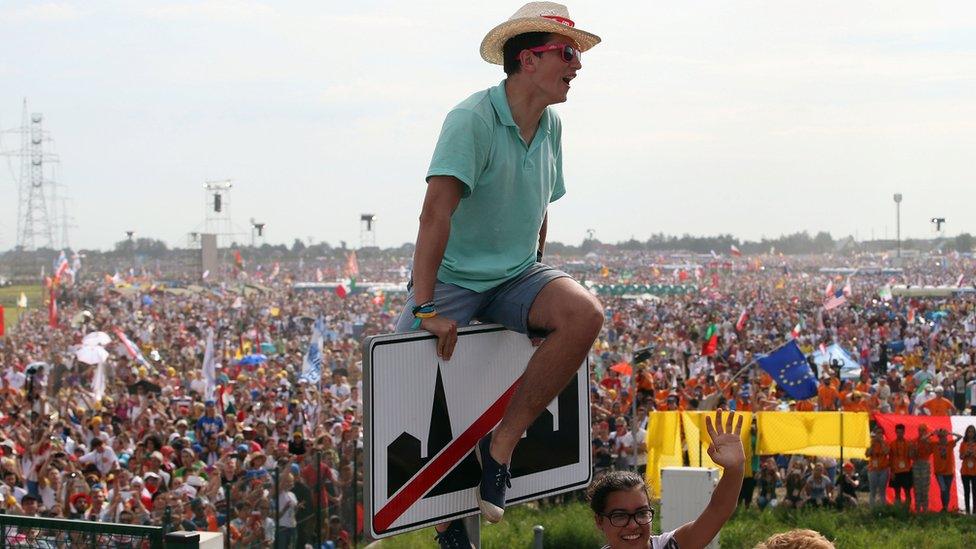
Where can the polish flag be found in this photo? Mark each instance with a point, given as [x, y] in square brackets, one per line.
[952, 424]
[830, 289]
[735, 251]
[743, 318]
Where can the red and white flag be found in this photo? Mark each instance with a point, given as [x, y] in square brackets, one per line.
[130, 347]
[795, 332]
[911, 315]
[743, 318]
[829, 291]
[959, 280]
[735, 251]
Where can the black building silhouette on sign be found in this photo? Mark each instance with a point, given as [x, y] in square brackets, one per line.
[542, 448]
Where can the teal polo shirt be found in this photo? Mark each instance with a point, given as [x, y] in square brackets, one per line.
[508, 186]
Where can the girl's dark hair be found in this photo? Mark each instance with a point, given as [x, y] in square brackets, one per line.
[514, 46]
[970, 429]
[614, 481]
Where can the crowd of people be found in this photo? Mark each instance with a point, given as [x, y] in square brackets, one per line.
[137, 438]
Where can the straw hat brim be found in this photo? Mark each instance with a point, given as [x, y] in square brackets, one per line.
[491, 46]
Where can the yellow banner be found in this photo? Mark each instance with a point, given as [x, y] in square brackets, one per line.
[814, 433]
[663, 447]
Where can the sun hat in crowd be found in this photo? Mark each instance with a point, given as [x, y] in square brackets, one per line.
[534, 17]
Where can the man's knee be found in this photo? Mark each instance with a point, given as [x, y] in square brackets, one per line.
[585, 313]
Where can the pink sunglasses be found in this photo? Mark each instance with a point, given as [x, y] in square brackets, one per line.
[566, 52]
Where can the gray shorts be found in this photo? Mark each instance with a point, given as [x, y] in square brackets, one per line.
[507, 304]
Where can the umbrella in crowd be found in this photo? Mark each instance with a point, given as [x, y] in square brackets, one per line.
[91, 354]
[96, 338]
[146, 386]
[623, 368]
[253, 360]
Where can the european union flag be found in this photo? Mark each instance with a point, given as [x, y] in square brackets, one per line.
[789, 368]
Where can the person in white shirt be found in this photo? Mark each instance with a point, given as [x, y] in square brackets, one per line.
[102, 456]
[287, 505]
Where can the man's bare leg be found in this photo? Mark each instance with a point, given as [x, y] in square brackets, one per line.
[573, 317]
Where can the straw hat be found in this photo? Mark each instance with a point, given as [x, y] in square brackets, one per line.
[534, 17]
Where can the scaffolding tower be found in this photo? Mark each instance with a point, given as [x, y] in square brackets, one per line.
[217, 218]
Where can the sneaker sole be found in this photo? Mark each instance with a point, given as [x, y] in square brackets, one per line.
[489, 510]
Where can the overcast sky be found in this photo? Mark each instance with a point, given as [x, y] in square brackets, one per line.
[750, 118]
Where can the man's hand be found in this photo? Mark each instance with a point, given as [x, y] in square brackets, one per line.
[446, 331]
[726, 447]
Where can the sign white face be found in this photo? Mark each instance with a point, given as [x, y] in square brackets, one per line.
[423, 416]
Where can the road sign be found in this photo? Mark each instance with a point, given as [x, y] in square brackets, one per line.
[423, 416]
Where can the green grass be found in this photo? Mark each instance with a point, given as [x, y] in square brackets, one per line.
[571, 526]
[8, 298]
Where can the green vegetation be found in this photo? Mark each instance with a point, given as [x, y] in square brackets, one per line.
[8, 298]
[571, 526]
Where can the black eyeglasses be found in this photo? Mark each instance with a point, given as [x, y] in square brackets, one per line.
[621, 519]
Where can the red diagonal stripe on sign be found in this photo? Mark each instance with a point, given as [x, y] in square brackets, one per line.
[437, 468]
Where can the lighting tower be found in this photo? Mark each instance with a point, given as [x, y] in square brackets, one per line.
[367, 230]
[217, 206]
[257, 231]
[898, 221]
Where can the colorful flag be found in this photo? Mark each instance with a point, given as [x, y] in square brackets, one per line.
[885, 293]
[735, 251]
[789, 368]
[209, 367]
[22, 300]
[52, 308]
[130, 348]
[341, 290]
[836, 300]
[312, 363]
[959, 280]
[352, 265]
[795, 332]
[710, 342]
[911, 315]
[743, 318]
[829, 291]
[238, 260]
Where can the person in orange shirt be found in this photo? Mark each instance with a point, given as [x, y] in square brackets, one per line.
[920, 451]
[877, 455]
[967, 453]
[854, 402]
[944, 463]
[900, 465]
[827, 396]
[807, 405]
[900, 404]
[940, 405]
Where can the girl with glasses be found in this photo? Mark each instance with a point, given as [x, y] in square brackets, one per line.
[622, 508]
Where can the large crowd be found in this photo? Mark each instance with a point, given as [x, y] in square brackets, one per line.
[272, 456]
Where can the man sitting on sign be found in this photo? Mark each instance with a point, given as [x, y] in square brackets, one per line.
[496, 168]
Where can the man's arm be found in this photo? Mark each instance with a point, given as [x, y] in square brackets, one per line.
[726, 451]
[443, 196]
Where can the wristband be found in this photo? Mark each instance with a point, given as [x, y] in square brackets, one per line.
[419, 317]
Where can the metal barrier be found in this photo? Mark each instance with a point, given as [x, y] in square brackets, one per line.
[36, 532]
[310, 499]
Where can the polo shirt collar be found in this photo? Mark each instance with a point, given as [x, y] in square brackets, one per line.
[500, 103]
